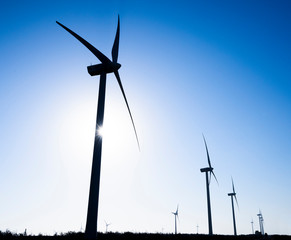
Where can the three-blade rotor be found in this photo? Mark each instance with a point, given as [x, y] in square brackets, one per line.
[209, 163]
[177, 212]
[107, 224]
[107, 65]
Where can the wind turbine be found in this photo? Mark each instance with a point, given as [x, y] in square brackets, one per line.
[252, 222]
[233, 194]
[106, 66]
[107, 224]
[261, 219]
[208, 178]
[176, 214]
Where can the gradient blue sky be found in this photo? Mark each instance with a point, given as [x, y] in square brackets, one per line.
[221, 68]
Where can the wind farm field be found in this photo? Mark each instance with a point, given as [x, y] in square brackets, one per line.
[139, 236]
[146, 120]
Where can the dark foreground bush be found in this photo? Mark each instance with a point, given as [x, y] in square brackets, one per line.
[139, 236]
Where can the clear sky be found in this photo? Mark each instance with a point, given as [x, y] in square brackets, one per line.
[221, 68]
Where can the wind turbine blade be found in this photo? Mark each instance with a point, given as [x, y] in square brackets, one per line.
[115, 47]
[232, 185]
[208, 158]
[236, 201]
[123, 93]
[95, 51]
[214, 176]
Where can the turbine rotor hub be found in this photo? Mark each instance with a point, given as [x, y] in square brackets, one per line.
[117, 65]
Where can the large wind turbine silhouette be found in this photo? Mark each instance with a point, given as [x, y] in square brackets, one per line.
[233, 194]
[208, 178]
[106, 66]
[176, 214]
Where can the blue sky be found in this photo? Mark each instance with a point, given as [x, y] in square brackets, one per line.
[221, 68]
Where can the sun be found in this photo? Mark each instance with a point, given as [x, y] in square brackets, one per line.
[100, 131]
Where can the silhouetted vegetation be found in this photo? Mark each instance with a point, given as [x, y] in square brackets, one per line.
[138, 236]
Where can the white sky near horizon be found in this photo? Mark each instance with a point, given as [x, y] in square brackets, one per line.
[221, 69]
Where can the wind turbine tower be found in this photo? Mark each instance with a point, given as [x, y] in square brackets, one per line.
[176, 214]
[233, 194]
[106, 66]
[252, 222]
[209, 170]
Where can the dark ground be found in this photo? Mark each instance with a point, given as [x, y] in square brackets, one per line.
[139, 236]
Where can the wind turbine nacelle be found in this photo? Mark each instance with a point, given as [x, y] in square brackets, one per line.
[101, 68]
[208, 169]
[231, 194]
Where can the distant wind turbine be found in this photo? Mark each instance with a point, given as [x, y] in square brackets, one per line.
[233, 194]
[252, 222]
[261, 220]
[106, 66]
[107, 224]
[208, 178]
[176, 214]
